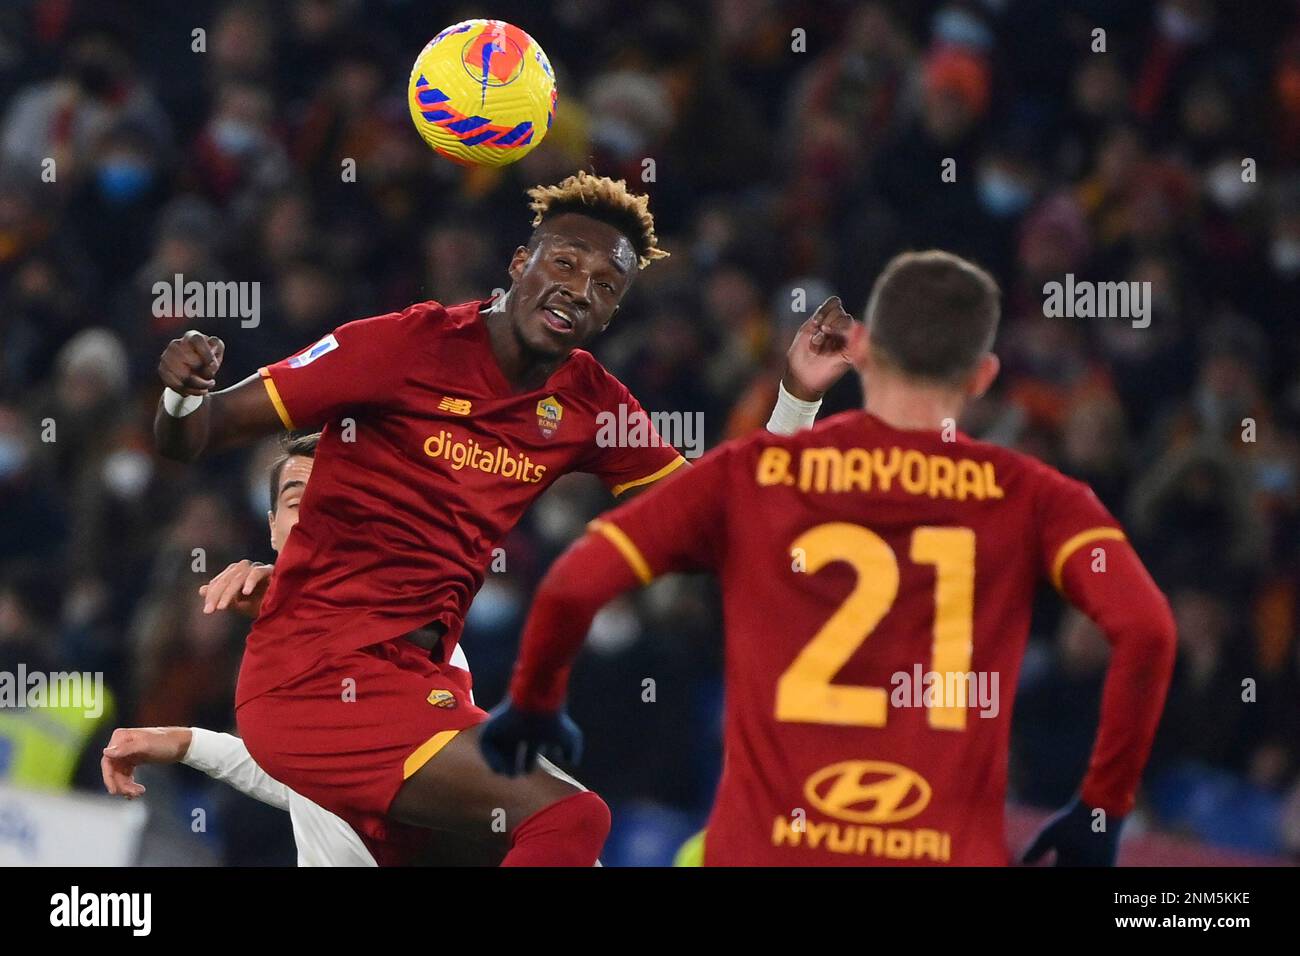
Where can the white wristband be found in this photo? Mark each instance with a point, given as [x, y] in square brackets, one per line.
[177, 405]
[791, 414]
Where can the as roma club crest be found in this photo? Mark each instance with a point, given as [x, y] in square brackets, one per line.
[549, 413]
[442, 698]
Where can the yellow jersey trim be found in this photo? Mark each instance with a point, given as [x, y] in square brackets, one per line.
[1066, 550]
[426, 752]
[278, 402]
[667, 469]
[631, 553]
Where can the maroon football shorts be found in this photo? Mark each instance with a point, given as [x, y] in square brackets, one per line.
[347, 733]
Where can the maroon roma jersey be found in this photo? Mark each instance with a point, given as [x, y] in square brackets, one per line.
[426, 462]
[877, 587]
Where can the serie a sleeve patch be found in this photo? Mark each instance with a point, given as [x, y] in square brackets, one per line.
[325, 345]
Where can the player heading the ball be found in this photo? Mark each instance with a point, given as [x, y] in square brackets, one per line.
[337, 698]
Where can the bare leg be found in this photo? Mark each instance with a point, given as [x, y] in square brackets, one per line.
[457, 791]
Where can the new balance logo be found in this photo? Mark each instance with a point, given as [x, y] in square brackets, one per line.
[457, 406]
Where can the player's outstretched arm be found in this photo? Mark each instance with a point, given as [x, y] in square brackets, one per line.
[224, 757]
[1104, 578]
[191, 418]
[677, 526]
[221, 756]
[817, 358]
[531, 721]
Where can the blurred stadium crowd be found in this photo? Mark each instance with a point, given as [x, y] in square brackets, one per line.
[774, 171]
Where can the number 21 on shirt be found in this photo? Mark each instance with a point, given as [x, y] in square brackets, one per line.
[804, 692]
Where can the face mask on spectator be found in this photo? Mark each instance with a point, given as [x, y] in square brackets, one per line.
[1220, 411]
[1284, 254]
[124, 180]
[614, 629]
[126, 473]
[495, 607]
[1226, 188]
[1002, 195]
[13, 456]
[259, 502]
[557, 520]
[235, 137]
[1275, 477]
[960, 28]
[1180, 27]
[618, 136]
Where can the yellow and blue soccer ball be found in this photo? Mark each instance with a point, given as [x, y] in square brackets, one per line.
[482, 93]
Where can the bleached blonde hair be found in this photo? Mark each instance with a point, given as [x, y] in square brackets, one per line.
[608, 200]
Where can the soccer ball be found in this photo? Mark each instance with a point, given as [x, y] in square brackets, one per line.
[482, 93]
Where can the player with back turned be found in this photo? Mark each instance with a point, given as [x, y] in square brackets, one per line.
[878, 573]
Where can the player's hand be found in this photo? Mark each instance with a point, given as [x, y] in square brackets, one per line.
[819, 354]
[512, 739]
[241, 586]
[1075, 837]
[131, 746]
[189, 364]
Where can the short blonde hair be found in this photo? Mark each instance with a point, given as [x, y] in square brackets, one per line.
[608, 200]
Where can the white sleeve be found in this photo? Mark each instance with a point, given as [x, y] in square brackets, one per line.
[224, 757]
[322, 838]
[458, 659]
